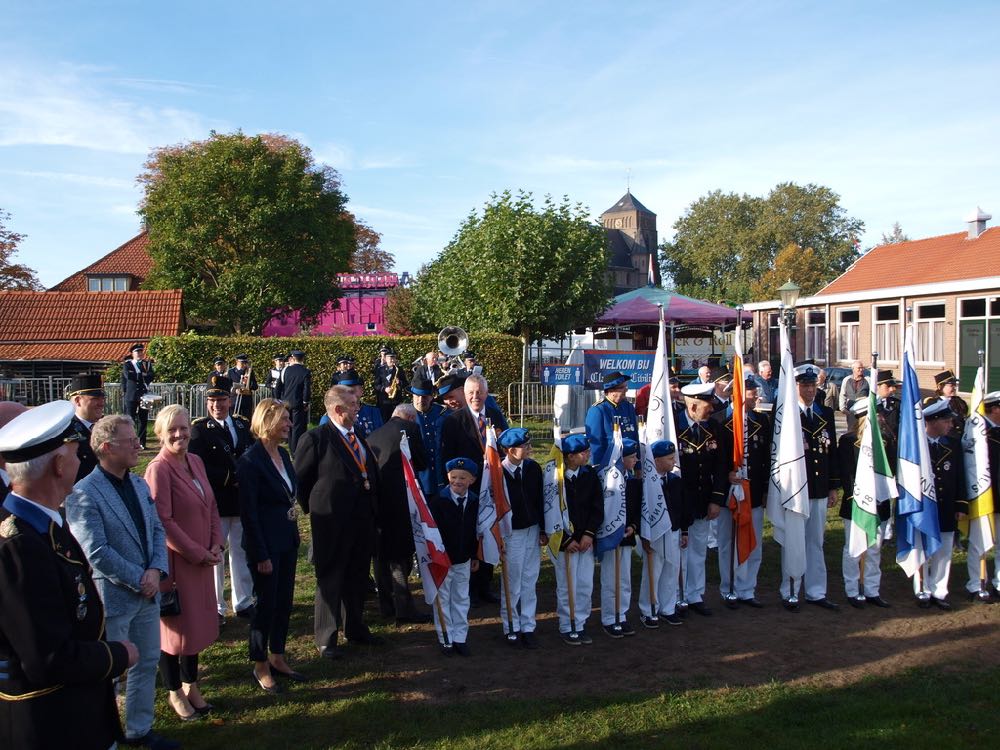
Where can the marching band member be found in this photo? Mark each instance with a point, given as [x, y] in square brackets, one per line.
[244, 386]
[137, 374]
[601, 418]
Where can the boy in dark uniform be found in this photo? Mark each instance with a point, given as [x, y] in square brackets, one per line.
[56, 668]
[574, 564]
[523, 556]
[614, 623]
[456, 509]
[948, 463]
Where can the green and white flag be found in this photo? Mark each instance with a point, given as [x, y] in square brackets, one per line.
[873, 482]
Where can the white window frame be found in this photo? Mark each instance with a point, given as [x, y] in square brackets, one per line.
[880, 338]
[855, 328]
[942, 321]
[812, 329]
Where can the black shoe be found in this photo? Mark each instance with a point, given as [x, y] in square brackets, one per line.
[462, 649]
[333, 654]
[731, 603]
[571, 639]
[416, 619]
[529, 641]
[627, 629]
[512, 638]
[585, 639]
[701, 608]
[924, 603]
[753, 602]
[153, 740]
[855, 602]
[273, 690]
[975, 597]
[940, 603]
[614, 631]
[878, 601]
[824, 603]
[293, 675]
[789, 605]
[672, 619]
[447, 649]
[247, 613]
[369, 639]
[649, 622]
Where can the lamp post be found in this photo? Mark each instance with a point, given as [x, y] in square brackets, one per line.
[788, 293]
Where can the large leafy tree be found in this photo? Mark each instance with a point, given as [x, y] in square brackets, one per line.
[246, 226]
[368, 255]
[725, 242]
[517, 269]
[14, 275]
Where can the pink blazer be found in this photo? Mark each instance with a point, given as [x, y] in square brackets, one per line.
[191, 521]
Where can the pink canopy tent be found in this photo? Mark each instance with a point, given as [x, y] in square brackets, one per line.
[640, 307]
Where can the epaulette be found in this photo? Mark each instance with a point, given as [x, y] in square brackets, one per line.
[199, 420]
[8, 528]
[240, 417]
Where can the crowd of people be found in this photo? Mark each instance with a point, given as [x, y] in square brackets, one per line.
[107, 578]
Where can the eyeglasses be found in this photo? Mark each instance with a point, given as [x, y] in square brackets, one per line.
[128, 441]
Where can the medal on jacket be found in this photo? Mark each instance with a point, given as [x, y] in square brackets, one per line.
[81, 591]
[293, 512]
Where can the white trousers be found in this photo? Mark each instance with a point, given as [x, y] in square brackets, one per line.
[608, 585]
[581, 572]
[453, 595]
[523, 558]
[666, 558]
[873, 564]
[746, 574]
[239, 572]
[815, 576]
[972, 563]
[693, 561]
[934, 573]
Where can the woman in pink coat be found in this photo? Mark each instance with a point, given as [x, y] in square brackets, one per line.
[186, 506]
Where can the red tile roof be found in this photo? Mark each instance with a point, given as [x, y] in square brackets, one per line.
[949, 257]
[130, 258]
[84, 326]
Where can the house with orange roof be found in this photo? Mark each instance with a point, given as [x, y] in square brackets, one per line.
[88, 320]
[949, 284]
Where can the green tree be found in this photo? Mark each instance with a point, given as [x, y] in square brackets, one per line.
[795, 263]
[368, 255]
[895, 236]
[399, 311]
[519, 270]
[726, 241]
[247, 226]
[14, 276]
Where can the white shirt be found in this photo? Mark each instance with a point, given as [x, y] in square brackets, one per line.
[510, 466]
[227, 424]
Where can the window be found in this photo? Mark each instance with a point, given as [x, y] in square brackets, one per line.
[885, 339]
[816, 335]
[973, 308]
[107, 283]
[848, 327]
[930, 332]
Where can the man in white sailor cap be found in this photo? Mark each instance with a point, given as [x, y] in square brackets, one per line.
[56, 669]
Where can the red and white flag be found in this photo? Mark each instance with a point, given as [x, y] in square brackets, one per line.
[431, 555]
[494, 522]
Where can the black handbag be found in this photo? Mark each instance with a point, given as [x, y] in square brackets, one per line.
[170, 602]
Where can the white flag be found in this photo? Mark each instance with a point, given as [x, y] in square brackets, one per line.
[979, 482]
[432, 559]
[654, 518]
[493, 523]
[612, 476]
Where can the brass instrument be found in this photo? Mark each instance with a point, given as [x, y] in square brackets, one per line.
[393, 392]
[453, 341]
[243, 389]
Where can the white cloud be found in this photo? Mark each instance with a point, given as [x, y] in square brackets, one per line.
[76, 179]
[73, 105]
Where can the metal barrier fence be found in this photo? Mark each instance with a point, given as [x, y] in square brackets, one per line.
[537, 400]
[35, 391]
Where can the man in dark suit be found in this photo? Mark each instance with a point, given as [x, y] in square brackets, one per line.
[394, 540]
[56, 680]
[219, 440]
[112, 515]
[428, 368]
[137, 374]
[296, 391]
[86, 393]
[338, 485]
[463, 434]
[390, 386]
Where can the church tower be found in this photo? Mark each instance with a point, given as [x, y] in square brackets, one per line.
[632, 239]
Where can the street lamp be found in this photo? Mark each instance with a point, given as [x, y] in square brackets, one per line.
[789, 295]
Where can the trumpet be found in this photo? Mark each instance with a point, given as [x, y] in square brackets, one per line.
[453, 341]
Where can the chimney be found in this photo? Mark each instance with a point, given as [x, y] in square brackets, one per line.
[977, 223]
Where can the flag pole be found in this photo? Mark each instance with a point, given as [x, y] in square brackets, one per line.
[731, 596]
[860, 597]
[733, 514]
[444, 626]
[682, 603]
[984, 593]
[618, 587]
[511, 635]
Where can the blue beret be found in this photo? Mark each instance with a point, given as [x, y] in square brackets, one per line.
[662, 448]
[629, 446]
[465, 464]
[615, 379]
[349, 377]
[513, 437]
[575, 443]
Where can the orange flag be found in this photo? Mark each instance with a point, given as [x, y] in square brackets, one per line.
[739, 494]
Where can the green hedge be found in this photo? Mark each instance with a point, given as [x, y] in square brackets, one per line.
[188, 358]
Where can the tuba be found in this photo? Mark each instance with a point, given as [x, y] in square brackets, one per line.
[453, 341]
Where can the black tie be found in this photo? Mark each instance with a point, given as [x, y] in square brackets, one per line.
[461, 503]
[517, 473]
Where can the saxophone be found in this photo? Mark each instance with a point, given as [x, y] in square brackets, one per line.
[393, 392]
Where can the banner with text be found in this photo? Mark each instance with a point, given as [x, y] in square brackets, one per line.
[597, 363]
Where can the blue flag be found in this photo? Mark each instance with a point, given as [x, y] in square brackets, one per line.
[917, 526]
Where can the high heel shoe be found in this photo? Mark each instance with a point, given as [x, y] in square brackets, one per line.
[274, 689]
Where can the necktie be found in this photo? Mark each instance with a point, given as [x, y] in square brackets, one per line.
[482, 429]
[355, 447]
[517, 473]
[461, 504]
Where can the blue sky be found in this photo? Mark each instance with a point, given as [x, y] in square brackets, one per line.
[428, 108]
